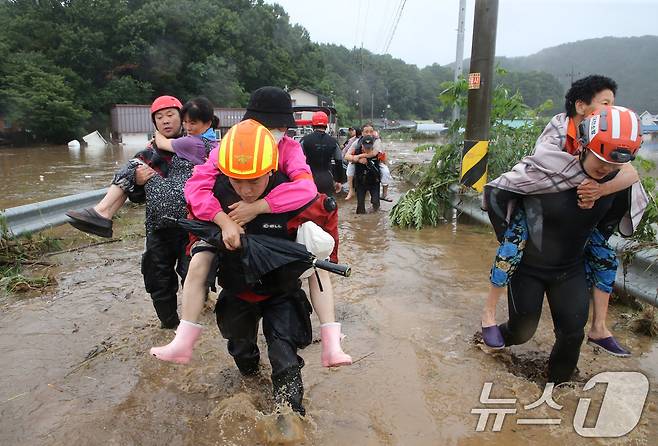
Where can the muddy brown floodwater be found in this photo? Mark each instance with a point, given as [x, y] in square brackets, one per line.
[76, 369]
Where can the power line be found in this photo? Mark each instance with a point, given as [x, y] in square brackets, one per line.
[357, 27]
[362, 22]
[390, 25]
[365, 22]
[383, 25]
[395, 27]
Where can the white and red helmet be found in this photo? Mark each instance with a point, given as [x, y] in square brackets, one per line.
[612, 133]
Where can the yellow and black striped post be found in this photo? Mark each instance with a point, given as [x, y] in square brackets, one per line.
[480, 87]
[474, 164]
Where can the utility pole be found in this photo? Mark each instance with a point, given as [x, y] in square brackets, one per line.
[459, 57]
[572, 74]
[388, 106]
[362, 88]
[372, 106]
[480, 87]
[361, 108]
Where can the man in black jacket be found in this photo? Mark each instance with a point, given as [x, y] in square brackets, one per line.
[323, 155]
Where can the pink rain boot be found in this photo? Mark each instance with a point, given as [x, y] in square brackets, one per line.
[332, 353]
[180, 349]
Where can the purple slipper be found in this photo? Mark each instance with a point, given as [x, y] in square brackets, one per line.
[610, 345]
[492, 337]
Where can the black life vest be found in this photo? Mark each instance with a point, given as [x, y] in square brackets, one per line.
[319, 149]
[322, 156]
[230, 275]
[369, 172]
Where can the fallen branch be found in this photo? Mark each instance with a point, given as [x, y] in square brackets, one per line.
[103, 347]
[363, 357]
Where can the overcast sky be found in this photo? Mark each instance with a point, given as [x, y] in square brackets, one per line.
[427, 30]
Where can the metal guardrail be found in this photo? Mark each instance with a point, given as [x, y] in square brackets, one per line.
[641, 278]
[47, 214]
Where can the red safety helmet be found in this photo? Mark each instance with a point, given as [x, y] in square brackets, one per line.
[163, 102]
[612, 133]
[319, 119]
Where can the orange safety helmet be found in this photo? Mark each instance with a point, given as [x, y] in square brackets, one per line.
[247, 151]
[319, 119]
[612, 133]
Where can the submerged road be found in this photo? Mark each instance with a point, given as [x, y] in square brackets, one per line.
[76, 368]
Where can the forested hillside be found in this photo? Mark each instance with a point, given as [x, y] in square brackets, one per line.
[631, 61]
[65, 63]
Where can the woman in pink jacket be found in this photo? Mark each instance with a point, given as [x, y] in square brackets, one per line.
[272, 107]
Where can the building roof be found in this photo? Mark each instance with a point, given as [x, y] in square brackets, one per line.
[322, 98]
[646, 114]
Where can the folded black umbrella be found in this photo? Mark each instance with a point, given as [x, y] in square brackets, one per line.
[205, 230]
[263, 254]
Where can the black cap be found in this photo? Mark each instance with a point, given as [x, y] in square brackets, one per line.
[272, 107]
[368, 141]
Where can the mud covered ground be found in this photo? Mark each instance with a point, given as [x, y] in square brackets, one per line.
[76, 369]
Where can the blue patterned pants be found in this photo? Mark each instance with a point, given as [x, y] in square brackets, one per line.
[600, 259]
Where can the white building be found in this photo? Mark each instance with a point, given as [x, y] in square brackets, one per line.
[132, 125]
[306, 98]
[301, 96]
[648, 119]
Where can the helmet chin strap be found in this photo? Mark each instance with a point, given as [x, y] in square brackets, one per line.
[582, 166]
[581, 159]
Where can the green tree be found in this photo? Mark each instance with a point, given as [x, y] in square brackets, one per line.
[423, 205]
[218, 81]
[535, 87]
[36, 95]
[111, 51]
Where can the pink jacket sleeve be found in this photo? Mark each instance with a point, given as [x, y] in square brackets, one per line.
[295, 194]
[283, 198]
[198, 189]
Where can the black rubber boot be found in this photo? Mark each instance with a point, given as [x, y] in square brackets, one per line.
[248, 367]
[288, 387]
[170, 322]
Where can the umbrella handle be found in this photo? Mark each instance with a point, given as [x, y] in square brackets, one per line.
[336, 268]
